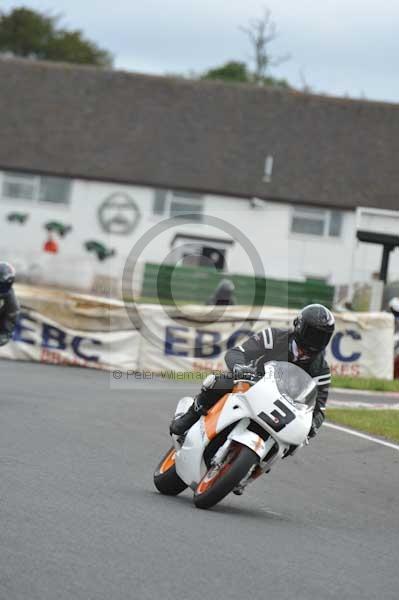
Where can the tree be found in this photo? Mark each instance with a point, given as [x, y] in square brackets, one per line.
[261, 33]
[231, 71]
[31, 34]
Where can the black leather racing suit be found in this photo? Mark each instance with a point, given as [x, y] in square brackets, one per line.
[9, 310]
[270, 344]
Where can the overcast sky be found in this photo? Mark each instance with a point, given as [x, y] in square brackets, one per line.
[337, 46]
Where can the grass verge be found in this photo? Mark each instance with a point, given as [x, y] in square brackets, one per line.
[363, 383]
[384, 423]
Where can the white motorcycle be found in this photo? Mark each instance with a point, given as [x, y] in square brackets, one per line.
[241, 436]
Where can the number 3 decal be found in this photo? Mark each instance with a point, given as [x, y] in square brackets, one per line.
[278, 420]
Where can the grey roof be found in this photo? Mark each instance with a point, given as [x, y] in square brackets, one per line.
[199, 136]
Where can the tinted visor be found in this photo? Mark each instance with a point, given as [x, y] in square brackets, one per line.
[314, 339]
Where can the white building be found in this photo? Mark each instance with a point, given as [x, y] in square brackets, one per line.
[113, 155]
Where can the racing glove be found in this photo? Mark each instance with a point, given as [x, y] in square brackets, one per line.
[247, 372]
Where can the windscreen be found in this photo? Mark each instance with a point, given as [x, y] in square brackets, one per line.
[294, 382]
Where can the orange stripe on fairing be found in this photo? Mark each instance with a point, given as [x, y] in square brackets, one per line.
[168, 462]
[258, 444]
[241, 386]
[212, 418]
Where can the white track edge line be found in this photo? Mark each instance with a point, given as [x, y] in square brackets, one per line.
[362, 435]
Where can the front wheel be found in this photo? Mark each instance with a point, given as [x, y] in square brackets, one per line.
[220, 481]
[166, 480]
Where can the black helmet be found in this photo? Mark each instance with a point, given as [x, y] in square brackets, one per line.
[313, 328]
[7, 277]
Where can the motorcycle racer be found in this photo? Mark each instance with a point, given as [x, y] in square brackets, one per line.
[9, 307]
[303, 345]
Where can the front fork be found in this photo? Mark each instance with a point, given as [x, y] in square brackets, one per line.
[268, 451]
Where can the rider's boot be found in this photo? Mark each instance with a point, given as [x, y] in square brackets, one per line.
[182, 423]
[290, 451]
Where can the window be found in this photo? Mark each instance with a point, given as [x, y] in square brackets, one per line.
[159, 205]
[36, 188]
[20, 186]
[335, 225]
[178, 204]
[54, 189]
[316, 222]
[200, 251]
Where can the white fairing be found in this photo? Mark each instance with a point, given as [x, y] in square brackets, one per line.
[190, 465]
[261, 398]
[286, 422]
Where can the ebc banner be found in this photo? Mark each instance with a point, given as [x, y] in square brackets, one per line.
[38, 338]
[362, 345]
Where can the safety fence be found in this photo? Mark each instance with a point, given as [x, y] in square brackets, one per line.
[170, 283]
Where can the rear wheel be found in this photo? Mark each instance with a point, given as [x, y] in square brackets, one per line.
[166, 479]
[220, 481]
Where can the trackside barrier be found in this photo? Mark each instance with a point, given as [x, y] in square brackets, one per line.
[75, 329]
[362, 345]
[67, 328]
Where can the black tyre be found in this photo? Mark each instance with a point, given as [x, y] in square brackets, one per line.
[217, 484]
[166, 479]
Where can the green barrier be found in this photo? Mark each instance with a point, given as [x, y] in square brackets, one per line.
[168, 284]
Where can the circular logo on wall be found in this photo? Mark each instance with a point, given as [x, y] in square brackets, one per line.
[119, 214]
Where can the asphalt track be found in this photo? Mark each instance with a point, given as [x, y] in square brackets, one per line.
[360, 398]
[80, 518]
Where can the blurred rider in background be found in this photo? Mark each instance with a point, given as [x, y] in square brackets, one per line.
[223, 294]
[9, 307]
